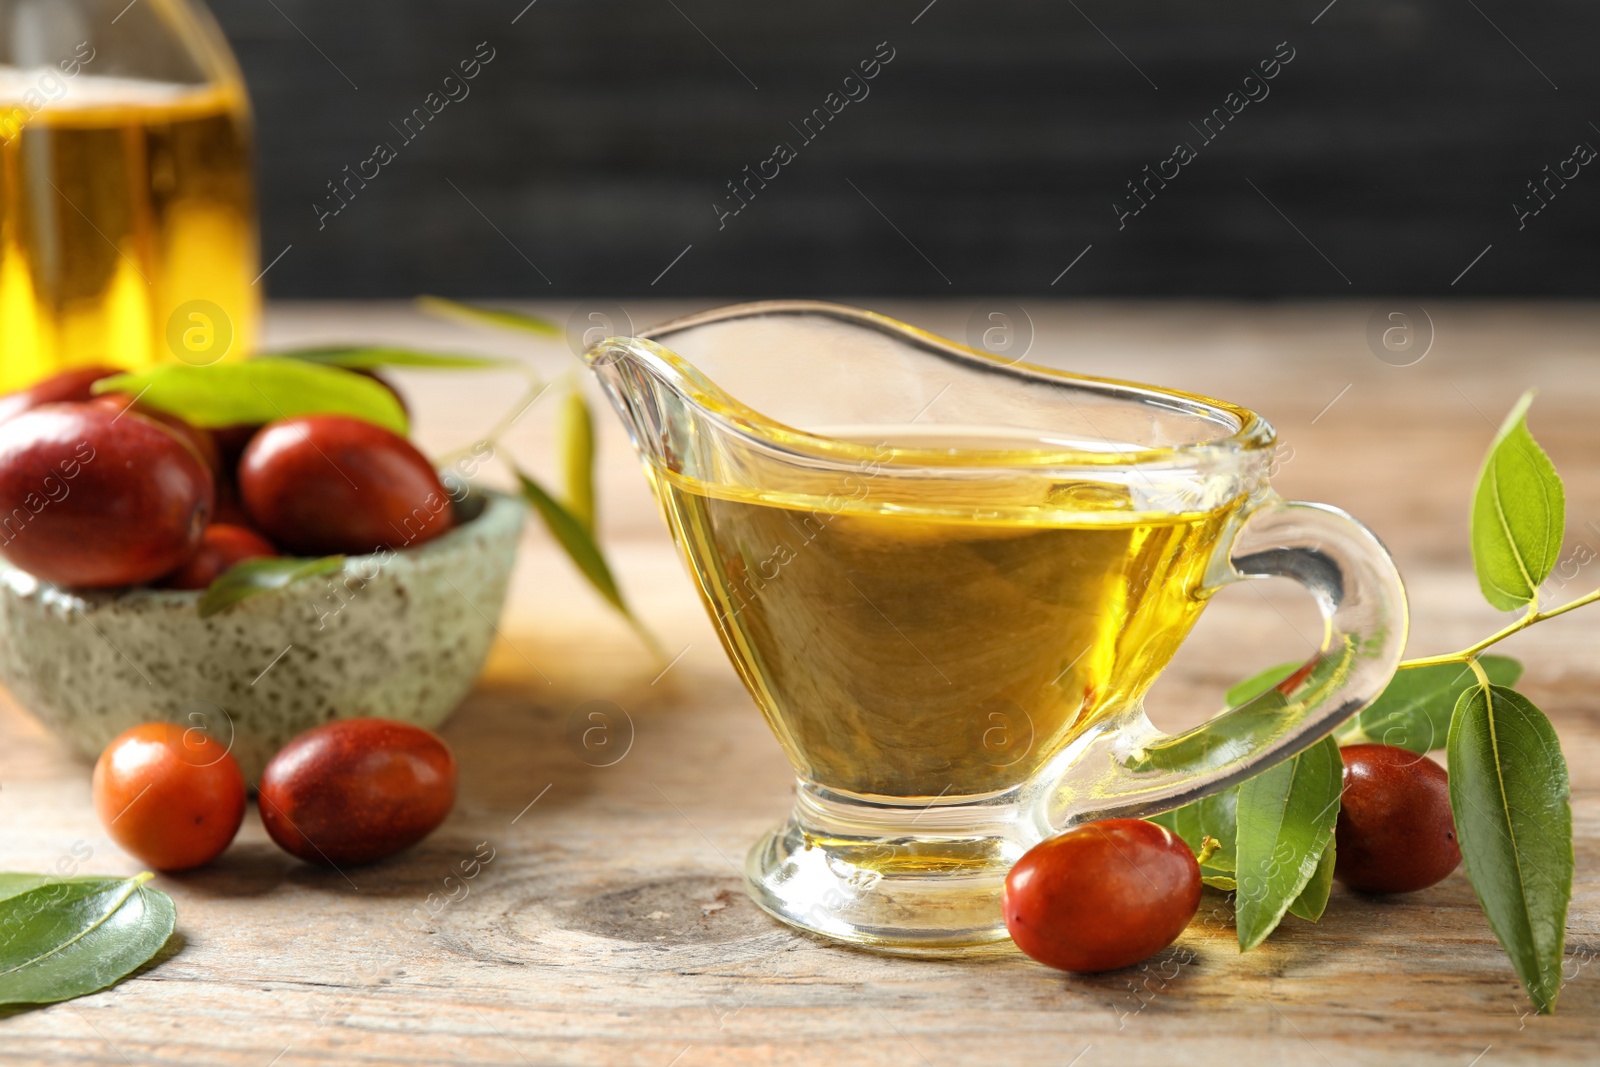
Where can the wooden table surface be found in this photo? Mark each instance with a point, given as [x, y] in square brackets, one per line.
[610, 926]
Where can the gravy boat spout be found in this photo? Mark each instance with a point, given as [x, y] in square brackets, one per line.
[948, 580]
[826, 383]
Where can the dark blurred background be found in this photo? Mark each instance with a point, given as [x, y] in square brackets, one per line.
[989, 154]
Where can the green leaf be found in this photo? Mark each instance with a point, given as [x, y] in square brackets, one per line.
[1211, 816]
[487, 316]
[1518, 514]
[576, 435]
[1508, 792]
[259, 390]
[571, 534]
[1313, 899]
[366, 357]
[12, 883]
[69, 937]
[1257, 684]
[1286, 817]
[581, 546]
[254, 576]
[1414, 710]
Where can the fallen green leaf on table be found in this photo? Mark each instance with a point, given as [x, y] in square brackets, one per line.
[253, 576]
[262, 390]
[14, 882]
[67, 937]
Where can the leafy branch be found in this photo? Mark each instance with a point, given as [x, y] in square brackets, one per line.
[1470, 654]
[1508, 778]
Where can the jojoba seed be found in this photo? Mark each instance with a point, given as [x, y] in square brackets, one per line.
[357, 790]
[68, 386]
[92, 497]
[169, 795]
[325, 484]
[1101, 896]
[1395, 832]
[197, 438]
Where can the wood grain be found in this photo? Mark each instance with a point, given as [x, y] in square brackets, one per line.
[610, 926]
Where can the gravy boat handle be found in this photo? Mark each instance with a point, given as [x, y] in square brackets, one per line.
[1128, 768]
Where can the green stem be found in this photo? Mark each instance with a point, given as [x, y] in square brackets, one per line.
[536, 389]
[1469, 654]
[1477, 668]
[1587, 598]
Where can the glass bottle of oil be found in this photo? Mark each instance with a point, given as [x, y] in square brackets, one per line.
[127, 207]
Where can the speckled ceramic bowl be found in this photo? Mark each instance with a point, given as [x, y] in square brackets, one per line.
[402, 637]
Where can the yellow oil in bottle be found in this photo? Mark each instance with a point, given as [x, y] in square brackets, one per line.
[127, 225]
